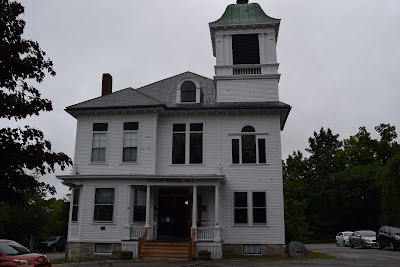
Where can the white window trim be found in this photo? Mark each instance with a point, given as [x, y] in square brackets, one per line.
[72, 204]
[178, 91]
[250, 208]
[256, 254]
[107, 143]
[258, 136]
[114, 206]
[187, 143]
[138, 144]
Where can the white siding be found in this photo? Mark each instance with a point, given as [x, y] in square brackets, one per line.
[250, 90]
[114, 164]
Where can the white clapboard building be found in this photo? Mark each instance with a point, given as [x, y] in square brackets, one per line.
[187, 163]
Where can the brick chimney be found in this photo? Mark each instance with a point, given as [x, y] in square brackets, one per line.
[106, 88]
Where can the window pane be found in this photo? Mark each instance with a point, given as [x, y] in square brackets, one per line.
[103, 248]
[129, 154]
[240, 215]
[130, 139]
[178, 148]
[188, 86]
[76, 197]
[140, 197]
[103, 213]
[74, 213]
[261, 151]
[196, 127]
[259, 199]
[248, 149]
[179, 127]
[139, 213]
[235, 150]
[104, 196]
[188, 96]
[100, 126]
[248, 129]
[131, 126]
[196, 148]
[98, 154]
[240, 199]
[259, 215]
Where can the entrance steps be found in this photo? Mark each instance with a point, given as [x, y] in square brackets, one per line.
[160, 251]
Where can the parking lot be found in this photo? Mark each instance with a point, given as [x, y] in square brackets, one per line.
[347, 256]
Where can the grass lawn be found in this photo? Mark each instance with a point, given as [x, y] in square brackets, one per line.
[311, 256]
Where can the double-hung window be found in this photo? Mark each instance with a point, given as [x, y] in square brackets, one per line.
[249, 147]
[99, 142]
[187, 143]
[139, 204]
[75, 205]
[104, 205]
[250, 211]
[130, 142]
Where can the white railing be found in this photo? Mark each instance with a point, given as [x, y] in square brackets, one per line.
[246, 71]
[136, 232]
[205, 234]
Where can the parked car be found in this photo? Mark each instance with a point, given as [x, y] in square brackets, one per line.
[342, 238]
[55, 243]
[363, 238]
[14, 254]
[388, 236]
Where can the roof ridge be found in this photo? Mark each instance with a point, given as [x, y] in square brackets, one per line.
[170, 78]
[149, 97]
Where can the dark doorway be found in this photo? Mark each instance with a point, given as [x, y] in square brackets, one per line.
[173, 214]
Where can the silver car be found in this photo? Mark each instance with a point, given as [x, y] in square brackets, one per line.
[364, 239]
[342, 238]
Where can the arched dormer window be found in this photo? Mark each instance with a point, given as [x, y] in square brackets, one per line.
[188, 91]
[249, 147]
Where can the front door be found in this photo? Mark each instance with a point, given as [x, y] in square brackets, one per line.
[173, 214]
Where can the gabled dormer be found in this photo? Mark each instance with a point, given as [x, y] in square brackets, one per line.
[244, 44]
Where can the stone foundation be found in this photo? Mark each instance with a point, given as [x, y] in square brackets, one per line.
[83, 251]
[268, 250]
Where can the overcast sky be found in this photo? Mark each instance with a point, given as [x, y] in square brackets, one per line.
[339, 60]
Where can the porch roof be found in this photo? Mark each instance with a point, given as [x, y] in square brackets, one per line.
[152, 179]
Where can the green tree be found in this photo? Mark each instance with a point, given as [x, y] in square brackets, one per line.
[24, 153]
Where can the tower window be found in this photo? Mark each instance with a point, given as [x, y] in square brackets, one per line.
[188, 92]
[245, 48]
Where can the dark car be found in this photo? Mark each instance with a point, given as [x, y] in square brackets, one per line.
[363, 238]
[388, 236]
[14, 254]
[55, 243]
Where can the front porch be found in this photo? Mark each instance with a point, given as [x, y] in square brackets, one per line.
[174, 214]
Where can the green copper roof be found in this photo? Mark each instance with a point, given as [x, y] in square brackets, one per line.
[244, 13]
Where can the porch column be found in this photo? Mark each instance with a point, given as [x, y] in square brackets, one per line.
[194, 208]
[147, 225]
[127, 226]
[217, 230]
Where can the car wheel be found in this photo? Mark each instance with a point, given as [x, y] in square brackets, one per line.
[351, 244]
[378, 245]
[391, 246]
[362, 245]
[344, 243]
[54, 249]
[337, 243]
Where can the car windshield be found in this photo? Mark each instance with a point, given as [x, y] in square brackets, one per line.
[368, 233]
[395, 230]
[347, 234]
[53, 238]
[13, 248]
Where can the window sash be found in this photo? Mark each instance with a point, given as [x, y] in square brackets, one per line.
[251, 249]
[104, 204]
[139, 205]
[187, 143]
[255, 153]
[99, 146]
[75, 205]
[103, 248]
[240, 207]
[250, 207]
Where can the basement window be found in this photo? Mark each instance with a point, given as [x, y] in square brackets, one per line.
[245, 49]
[103, 248]
[251, 249]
